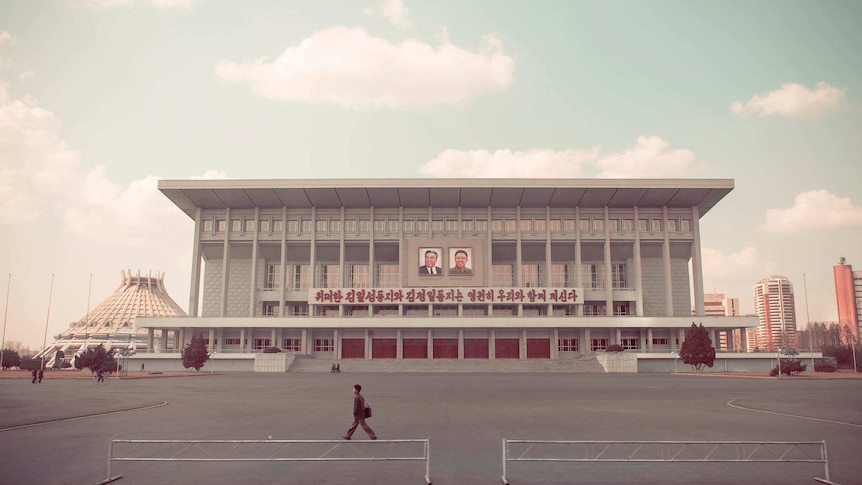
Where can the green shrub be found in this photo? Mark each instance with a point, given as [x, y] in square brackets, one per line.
[271, 350]
[614, 348]
[789, 368]
[825, 367]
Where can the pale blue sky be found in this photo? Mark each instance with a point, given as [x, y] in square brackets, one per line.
[102, 97]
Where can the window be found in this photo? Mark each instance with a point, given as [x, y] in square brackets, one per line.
[264, 226]
[584, 225]
[618, 276]
[249, 225]
[293, 226]
[235, 225]
[271, 278]
[467, 225]
[334, 226]
[598, 225]
[630, 343]
[481, 225]
[594, 310]
[656, 225]
[321, 226]
[511, 226]
[301, 273]
[323, 345]
[559, 275]
[422, 226]
[569, 225]
[364, 226]
[220, 225]
[593, 276]
[270, 309]
[659, 341]
[497, 225]
[357, 276]
[527, 225]
[598, 344]
[305, 226]
[350, 226]
[408, 226]
[277, 226]
[388, 276]
[231, 341]
[329, 276]
[437, 225]
[532, 274]
[208, 226]
[393, 226]
[671, 225]
[555, 226]
[564, 311]
[330, 311]
[614, 225]
[379, 226]
[262, 343]
[292, 345]
[451, 226]
[567, 345]
[685, 225]
[298, 310]
[502, 275]
[539, 226]
[621, 309]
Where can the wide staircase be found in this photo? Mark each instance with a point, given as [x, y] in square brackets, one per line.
[588, 363]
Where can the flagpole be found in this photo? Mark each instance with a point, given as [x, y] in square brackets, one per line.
[5, 314]
[47, 319]
[808, 323]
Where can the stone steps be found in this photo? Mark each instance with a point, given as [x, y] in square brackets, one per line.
[583, 364]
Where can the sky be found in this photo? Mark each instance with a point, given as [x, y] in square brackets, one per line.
[99, 99]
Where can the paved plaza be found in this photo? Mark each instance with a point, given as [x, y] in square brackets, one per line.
[465, 416]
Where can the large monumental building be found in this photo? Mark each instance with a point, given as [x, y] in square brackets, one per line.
[455, 269]
[848, 292]
[776, 308]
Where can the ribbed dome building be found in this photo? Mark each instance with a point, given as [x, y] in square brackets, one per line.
[112, 322]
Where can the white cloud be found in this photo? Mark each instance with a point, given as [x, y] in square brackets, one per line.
[792, 100]
[649, 158]
[211, 175]
[5, 37]
[35, 164]
[508, 164]
[734, 274]
[394, 11]
[349, 67]
[813, 210]
[161, 4]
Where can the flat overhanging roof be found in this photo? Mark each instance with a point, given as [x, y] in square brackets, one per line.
[189, 195]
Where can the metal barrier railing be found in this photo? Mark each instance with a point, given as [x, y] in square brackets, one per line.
[265, 450]
[669, 452]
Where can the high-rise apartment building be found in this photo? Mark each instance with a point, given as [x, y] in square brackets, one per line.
[848, 292]
[716, 305]
[776, 308]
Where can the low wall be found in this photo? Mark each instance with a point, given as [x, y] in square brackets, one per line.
[161, 362]
[724, 362]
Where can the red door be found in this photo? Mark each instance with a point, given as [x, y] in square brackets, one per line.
[353, 348]
[414, 348]
[475, 348]
[383, 348]
[538, 348]
[447, 348]
[507, 348]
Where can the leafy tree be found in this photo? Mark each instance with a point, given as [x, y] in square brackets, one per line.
[614, 348]
[30, 364]
[789, 367]
[11, 358]
[95, 358]
[697, 350]
[195, 354]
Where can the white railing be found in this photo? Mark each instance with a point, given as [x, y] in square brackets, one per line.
[667, 452]
[267, 451]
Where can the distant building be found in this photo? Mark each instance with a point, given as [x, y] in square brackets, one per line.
[775, 305]
[848, 293]
[716, 305]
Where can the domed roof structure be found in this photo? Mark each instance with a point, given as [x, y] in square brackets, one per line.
[112, 322]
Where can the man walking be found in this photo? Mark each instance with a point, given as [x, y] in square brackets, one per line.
[359, 414]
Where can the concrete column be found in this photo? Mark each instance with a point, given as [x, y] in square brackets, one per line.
[617, 335]
[639, 286]
[642, 337]
[460, 343]
[743, 341]
[242, 338]
[225, 280]
[668, 284]
[336, 344]
[587, 342]
[211, 337]
[578, 276]
[368, 335]
[283, 264]
[609, 291]
[555, 339]
[492, 353]
[649, 339]
[523, 344]
[150, 340]
[399, 344]
[194, 293]
[519, 276]
[430, 343]
[697, 264]
[304, 343]
[253, 288]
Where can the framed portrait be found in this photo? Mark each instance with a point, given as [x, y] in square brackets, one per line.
[460, 262]
[430, 262]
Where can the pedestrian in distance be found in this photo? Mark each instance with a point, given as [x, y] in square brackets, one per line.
[41, 375]
[100, 376]
[142, 367]
[360, 414]
[35, 375]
